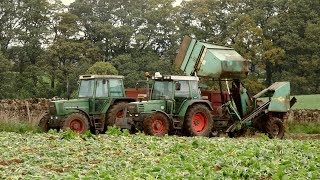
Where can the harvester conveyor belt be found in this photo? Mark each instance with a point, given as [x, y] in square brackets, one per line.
[253, 115]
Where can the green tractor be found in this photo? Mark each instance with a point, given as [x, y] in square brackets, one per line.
[174, 106]
[101, 99]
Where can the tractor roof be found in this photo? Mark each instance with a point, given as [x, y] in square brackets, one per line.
[100, 77]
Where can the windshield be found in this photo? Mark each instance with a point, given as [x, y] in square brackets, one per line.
[162, 90]
[86, 88]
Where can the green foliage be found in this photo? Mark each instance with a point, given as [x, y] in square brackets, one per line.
[18, 127]
[101, 67]
[69, 134]
[134, 66]
[304, 127]
[48, 156]
[253, 85]
[113, 130]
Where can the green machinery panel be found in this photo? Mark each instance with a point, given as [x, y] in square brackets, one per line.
[209, 60]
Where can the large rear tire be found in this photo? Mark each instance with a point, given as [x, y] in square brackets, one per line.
[156, 124]
[116, 111]
[275, 128]
[76, 122]
[44, 123]
[198, 121]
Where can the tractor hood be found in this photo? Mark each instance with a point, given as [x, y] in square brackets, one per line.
[146, 106]
[63, 107]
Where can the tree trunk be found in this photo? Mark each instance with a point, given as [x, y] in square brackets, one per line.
[268, 73]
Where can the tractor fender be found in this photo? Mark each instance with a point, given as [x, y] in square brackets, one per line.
[116, 100]
[184, 108]
[162, 112]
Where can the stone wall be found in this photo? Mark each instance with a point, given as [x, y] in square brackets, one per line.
[32, 110]
[304, 115]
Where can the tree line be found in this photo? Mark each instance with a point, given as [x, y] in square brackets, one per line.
[45, 45]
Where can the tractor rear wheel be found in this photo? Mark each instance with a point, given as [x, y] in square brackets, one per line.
[275, 128]
[76, 122]
[156, 124]
[116, 111]
[198, 121]
[44, 123]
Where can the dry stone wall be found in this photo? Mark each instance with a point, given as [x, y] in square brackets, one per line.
[33, 109]
[30, 110]
[305, 115]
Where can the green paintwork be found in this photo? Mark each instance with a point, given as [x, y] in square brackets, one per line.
[280, 100]
[279, 96]
[149, 106]
[246, 102]
[183, 109]
[95, 96]
[166, 98]
[64, 107]
[209, 60]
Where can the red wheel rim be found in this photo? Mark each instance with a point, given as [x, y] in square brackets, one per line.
[76, 125]
[199, 122]
[119, 114]
[158, 126]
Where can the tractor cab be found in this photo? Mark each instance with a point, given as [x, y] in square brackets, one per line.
[99, 86]
[167, 93]
[174, 87]
[174, 103]
[101, 98]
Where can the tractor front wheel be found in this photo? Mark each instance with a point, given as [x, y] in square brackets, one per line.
[76, 122]
[275, 128]
[198, 121]
[156, 124]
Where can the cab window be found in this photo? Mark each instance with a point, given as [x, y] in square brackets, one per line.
[102, 88]
[115, 87]
[86, 88]
[182, 89]
[162, 89]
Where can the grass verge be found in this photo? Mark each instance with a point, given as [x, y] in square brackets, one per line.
[304, 127]
[18, 127]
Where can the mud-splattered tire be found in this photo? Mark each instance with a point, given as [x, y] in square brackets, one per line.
[44, 123]
[156, 124]
[198, 121]
[76, 122]
[116, 111]
[275, 128]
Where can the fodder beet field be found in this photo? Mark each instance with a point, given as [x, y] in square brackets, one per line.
[123, 156]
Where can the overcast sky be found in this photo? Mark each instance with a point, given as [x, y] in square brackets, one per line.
[67, 2]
